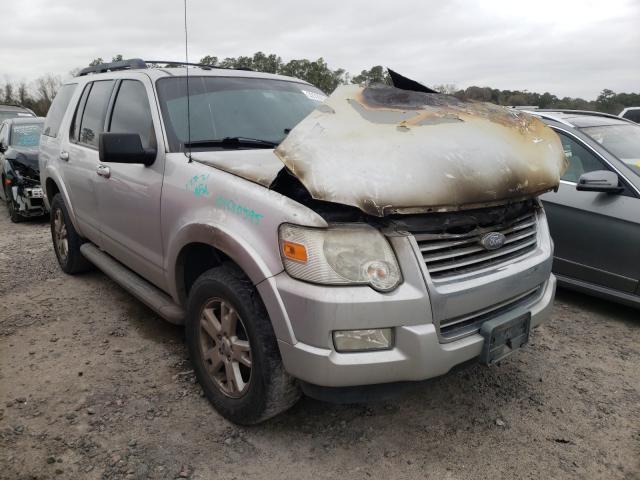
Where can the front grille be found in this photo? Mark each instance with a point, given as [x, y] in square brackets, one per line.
[450, 254]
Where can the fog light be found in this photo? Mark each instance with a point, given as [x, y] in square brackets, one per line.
[363, 340]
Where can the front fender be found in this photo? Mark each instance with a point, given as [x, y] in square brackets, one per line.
[234, 247]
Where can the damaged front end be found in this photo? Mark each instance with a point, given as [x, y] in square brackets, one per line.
[22, 185]
[386, 151]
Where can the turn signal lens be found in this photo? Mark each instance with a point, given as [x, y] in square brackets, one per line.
[294, 251]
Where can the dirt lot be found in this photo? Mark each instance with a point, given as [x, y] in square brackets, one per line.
[94, 385]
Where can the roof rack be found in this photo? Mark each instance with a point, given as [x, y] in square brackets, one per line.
[138, 63]
[131, 64]
[204, 66]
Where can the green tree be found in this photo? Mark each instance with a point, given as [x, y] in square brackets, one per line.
[377, 74]
[315, 72]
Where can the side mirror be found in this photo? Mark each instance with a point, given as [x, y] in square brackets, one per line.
[124, 148]
[599, 181]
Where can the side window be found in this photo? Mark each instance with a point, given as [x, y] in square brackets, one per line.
[581, 160]
[74, 131]
[93, 117]
[3, 130]
[633, 115]
[132, 114]
[57, 109]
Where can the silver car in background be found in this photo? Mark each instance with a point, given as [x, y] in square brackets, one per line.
[595, 215]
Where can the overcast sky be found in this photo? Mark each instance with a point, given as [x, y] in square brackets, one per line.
[566, 47]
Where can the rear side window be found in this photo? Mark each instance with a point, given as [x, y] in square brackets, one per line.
[132, 114]
[93, 117]
[57, 109]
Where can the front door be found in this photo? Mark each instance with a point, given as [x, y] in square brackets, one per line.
[129, 194]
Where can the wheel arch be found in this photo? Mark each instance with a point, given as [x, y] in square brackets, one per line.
[198, 247]
[53, 186]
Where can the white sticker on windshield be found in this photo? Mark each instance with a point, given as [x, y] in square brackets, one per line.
[318, 97]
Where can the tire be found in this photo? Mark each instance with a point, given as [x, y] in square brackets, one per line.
[66, 241]
[268, 390]
[14, 215]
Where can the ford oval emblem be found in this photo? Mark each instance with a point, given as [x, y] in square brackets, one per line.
[492, 240]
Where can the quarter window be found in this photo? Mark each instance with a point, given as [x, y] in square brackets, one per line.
[57, 109]
[132, 114]
[93, 117]
[581, 160]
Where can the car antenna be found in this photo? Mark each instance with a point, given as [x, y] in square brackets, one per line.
[186, 59]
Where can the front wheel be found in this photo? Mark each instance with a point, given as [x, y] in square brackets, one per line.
[234, 350]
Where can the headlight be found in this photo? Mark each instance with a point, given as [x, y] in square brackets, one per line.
[340, 255]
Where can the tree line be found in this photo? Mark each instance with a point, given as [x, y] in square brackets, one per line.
[39, 94]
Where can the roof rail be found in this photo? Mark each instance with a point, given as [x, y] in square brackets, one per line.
[204, 66]
[138, 63]
[578, 112]
[131, 64]
[170, 62]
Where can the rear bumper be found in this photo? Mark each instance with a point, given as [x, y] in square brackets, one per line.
[418, 353]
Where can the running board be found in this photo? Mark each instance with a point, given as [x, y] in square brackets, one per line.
[137, 286]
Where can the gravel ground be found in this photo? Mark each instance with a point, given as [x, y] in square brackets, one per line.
[94, 385]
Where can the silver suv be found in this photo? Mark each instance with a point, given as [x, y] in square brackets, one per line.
[307, 243]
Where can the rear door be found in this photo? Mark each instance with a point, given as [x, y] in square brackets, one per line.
[82, 155]
[596, 234]
[129, 197]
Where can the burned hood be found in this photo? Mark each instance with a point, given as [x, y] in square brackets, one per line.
[387, 150]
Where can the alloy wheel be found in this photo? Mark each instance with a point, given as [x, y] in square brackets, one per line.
[60, 235]
[225, 348]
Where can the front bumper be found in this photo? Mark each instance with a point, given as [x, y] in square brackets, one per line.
[417, 355]
[304, 316]
[29, 201]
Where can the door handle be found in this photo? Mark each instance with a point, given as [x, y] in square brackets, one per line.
[104, 171]
[64, 156]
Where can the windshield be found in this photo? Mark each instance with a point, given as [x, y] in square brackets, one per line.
[227, 107]
[621, 140]
[13, 114]
[26, 134]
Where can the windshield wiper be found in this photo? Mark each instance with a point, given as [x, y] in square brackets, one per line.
[233, 142]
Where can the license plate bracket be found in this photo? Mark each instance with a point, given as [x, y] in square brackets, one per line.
[502, 337]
